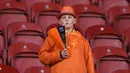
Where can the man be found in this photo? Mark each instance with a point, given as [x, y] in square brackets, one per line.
[76, 57]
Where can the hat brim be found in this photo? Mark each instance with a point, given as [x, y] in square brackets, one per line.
[59, 16]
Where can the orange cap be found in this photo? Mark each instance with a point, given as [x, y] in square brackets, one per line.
[67, 10]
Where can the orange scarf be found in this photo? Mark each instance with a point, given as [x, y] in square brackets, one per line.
[54, 34]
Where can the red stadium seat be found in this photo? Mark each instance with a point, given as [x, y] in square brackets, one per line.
[89, 15]
[3, 42]
[12, 12]
[107, 4]
[119, 17]
[122, 71]
[3, 45]
[101, 35]
[7, 69]
[73, 2]
[127, 40]
[2, 56]
[51, 26]
[29, 3]
[98, 71]
[45, 14]
[108, 59]
[23, 56]
[25, 32]
[4, 1]
[38, 69]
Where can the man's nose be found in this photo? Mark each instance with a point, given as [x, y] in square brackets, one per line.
[66, 19]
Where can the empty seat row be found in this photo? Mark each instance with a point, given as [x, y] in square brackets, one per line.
[101, 3]
[34, 69]
[106, 58]
[122, 71]
[119, 17]
[25, 32]
[101, 35]
[23, 56]
[107, 4]
[89, 16]
[116, 71]
[30, 32]
[97, 35]
[18, 52]
[45, 14]
[61, 2]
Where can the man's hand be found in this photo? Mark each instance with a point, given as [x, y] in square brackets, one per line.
[65, 53]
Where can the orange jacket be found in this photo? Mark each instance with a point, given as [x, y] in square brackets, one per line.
[80, 56]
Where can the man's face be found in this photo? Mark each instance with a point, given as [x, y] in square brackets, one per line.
[67, 20]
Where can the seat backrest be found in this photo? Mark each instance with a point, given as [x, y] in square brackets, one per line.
[108, 59]
[7, 69]
[104, 51]
[3, 42]
[127, 40]
[110, 66]
[25, 32]
[107, 4]
[73, 2]
[101, 35]
[38, 69]
[3, 46]
[119, 17]
[45, 14]
[4, 1]
[23, 56]
[29, 3]
[89, 15]
[12, 12]
[98, 71]
[51, 26]
[122, 71]
[2, 56]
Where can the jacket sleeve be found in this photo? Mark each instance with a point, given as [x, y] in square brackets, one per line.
[89, 58]
[49, 57]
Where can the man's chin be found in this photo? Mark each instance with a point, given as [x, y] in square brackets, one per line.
[67, 27]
